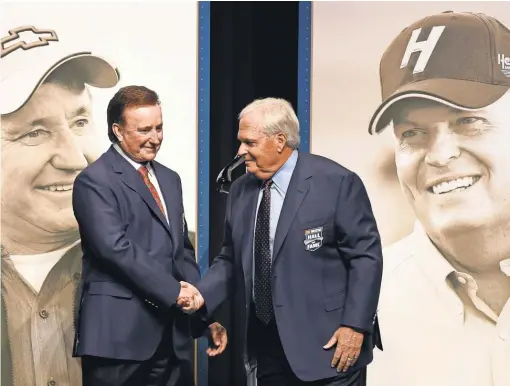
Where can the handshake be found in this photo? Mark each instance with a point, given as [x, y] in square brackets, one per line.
[190, 300]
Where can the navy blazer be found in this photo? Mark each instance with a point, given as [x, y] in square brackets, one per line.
[133, 261]
[327, 265]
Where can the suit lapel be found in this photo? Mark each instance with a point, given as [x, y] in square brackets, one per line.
[296, 192]
[131, 178]
[171, 197]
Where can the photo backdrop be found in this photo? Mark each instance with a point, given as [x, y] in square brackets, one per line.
[154, 44]
[432, 334]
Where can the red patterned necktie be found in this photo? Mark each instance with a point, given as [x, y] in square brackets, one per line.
[144, 172]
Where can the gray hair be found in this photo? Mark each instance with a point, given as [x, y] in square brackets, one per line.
[277, 116]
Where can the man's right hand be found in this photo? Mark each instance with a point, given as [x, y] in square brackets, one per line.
[190, 300]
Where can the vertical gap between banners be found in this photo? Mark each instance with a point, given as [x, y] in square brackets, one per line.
[304, 73]
[203, 166]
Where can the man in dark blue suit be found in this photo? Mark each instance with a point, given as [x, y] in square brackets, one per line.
[302, 254]
[136, 250]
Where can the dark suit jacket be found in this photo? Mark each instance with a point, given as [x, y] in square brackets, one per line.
[132, 261]
[334, 281]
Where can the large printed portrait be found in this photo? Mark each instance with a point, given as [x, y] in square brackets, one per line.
[60, 64]
[415, 98]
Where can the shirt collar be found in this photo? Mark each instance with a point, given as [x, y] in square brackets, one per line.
[445, 278]
[437, 270]
[432, 262]
[135, 164]
[437, 266]
[282, 177]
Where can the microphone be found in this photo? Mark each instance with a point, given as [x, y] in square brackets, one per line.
[224, 178]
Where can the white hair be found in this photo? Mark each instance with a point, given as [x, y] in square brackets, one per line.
[277, 116]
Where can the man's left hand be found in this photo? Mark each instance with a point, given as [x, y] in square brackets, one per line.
[348, 346]
[219, 338]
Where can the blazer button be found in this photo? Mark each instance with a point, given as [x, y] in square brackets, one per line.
[52, 382]
[43, 314]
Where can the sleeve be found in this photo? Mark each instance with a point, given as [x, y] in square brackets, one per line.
[200, 320]
[216, 283]
[360, 245]
[190, 267]
[102, 231]
[191, 270]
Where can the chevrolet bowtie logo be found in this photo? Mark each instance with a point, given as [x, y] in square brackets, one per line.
[26, 37]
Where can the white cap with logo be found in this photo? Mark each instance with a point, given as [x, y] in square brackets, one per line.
[28, 55]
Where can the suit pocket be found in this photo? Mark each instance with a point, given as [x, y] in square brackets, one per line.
[335, 302]
[109, 288]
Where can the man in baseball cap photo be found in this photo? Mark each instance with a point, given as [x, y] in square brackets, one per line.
[48, 137]
[444, 306]
[459, 59]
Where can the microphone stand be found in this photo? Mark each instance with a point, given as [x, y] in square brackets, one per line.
[224, 178]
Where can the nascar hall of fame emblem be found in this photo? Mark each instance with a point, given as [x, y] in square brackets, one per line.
[504, 62]
[313, 239]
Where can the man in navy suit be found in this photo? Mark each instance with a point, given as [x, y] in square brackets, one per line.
[302, 254]
[136, 250]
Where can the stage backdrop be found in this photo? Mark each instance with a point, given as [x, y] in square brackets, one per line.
[61, 129]
[444, 313]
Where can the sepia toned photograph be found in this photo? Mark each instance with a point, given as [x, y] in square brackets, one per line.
[58, 72]
[414, 97]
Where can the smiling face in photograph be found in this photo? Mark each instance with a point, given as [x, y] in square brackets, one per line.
[45, 145]
[453, 164]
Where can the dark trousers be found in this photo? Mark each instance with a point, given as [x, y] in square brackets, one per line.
[273, 369]
[163, 369]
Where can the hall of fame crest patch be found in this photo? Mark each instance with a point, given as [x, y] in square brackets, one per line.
[313, 238]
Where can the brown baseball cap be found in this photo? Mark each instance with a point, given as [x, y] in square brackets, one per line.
[459, 59]
[28, 55]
